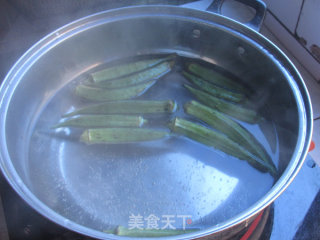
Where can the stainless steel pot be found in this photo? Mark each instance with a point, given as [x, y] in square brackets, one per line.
[73, 188]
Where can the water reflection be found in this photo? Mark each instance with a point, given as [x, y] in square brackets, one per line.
[206, 187]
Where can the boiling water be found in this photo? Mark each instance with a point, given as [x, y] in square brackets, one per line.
[102, 186]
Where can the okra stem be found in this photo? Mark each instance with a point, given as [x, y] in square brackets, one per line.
[216, 78]
[214, 89]
[231, 129]
[136, 78]
[144, 233]
[121, 135]
[236, 111]
[101, 94]
[128, 107]
[89, 121]
[217, 140]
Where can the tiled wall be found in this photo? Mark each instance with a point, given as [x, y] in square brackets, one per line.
[295, 23]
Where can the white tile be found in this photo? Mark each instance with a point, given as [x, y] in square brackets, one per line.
[306, 26]
[287, 11]
[315, 154]
[290, 43]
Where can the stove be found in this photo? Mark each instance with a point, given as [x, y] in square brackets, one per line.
[293, 216]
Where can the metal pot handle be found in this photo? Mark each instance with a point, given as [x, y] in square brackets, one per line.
[215, 6]
[258, 5]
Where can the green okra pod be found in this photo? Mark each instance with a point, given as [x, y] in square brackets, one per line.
[128, 107]
[216, 78]
[136, 78]
[149, 233]
[217, 140]
[101, 94]
[231, 129]
[121, 135]
[89, 121]
[236, 111]
[214, 90]
[126, 69]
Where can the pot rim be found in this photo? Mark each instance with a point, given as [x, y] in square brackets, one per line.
[42, 46]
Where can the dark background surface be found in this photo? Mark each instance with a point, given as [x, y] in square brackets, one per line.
[24, 22]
